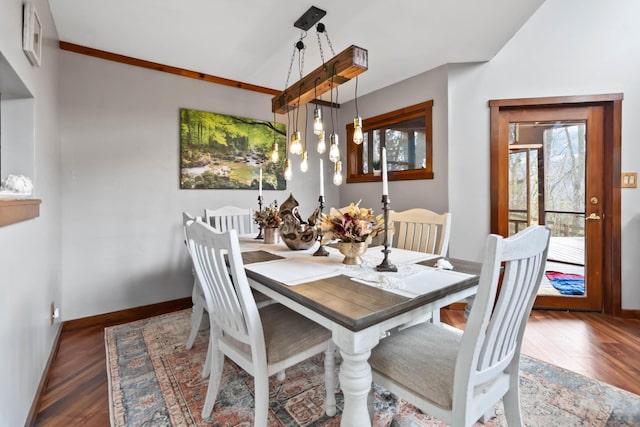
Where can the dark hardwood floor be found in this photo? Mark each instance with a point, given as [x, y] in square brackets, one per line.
[598, 346]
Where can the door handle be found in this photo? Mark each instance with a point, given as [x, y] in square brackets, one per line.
[593, 217]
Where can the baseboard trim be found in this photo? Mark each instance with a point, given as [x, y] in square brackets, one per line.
[44, 381]
[128, 315]
[630, 314]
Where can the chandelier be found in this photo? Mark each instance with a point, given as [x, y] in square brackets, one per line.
[341, 68]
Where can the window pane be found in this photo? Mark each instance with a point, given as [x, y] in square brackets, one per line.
[406, 134]
[406, 145]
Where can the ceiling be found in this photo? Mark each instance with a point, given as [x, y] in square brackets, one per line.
[252, 41]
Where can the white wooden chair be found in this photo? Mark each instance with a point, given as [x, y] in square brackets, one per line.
[198, 320]
[421, 230]
[231, 218]
[460, 377]
[197, 297]
[261, 341]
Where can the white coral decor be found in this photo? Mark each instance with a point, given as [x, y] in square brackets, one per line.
[17, 184]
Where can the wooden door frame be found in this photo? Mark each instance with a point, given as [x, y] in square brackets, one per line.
[611, 205]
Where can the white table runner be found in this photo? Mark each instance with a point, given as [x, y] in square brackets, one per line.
[411, 283]
[295, 273]
[411, 279]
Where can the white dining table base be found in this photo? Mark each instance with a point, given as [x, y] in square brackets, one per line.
[355, 381]
[320, 300]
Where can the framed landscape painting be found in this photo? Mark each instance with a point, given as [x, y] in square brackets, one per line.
[227, 152]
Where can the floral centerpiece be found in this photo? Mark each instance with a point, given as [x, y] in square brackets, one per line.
[269, 217]
[356, 225]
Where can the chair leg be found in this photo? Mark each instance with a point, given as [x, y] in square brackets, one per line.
[196, 319]
[261, 384]
[206, 367]
[491, 413]
[511, 400]
[435, 317]
[217, 365]
[330, 379]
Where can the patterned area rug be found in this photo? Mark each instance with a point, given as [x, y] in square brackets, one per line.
[155, 381]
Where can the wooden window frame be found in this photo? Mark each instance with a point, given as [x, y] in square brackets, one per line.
[354, 152]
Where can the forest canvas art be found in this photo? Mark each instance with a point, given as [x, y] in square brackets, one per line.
[227, 152]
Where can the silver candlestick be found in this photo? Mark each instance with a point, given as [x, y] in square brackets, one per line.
[259, 236]
[322, 251]
[385, 265]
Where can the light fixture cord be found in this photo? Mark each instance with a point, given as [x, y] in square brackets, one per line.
[315, 93]
[274, 129]
[333, 128]
[296, 47]
[326, 35]
[288, 120]
[337, 118]
[357, 115]
[306, 117]
[301, 49]
[321, 28]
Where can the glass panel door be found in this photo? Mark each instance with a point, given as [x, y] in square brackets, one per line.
[555, 179]
[547, 186]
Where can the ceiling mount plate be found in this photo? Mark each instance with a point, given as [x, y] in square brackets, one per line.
[309, 18]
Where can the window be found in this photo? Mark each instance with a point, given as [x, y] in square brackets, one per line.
[406, 133]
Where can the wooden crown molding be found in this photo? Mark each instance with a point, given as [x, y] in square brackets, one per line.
[164, 68]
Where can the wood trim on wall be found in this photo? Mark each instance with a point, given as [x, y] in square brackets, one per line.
[128, 315]
[12, 211]
[164, 68]
[630, 314]
[44, 380]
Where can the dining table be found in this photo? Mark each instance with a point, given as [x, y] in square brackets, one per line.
[357, 303]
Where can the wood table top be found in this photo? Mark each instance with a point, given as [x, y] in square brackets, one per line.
[354, 305]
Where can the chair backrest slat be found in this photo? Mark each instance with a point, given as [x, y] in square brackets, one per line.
[421, 230]
[494, 331]
[231, 218]
[217, 259]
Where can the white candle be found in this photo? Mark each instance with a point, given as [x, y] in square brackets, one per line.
[260, 187]
[385, 182]
[321, 178]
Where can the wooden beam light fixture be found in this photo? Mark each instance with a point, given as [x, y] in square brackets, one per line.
[340, 69]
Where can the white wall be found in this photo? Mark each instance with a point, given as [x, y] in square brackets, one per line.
[30, 272]
[429, 194]
[122, 223]
[568, 47]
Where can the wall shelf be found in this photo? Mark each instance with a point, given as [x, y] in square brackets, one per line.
[12, 211]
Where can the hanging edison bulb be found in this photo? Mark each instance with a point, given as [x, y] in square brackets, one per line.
[304, 164]
[288, 170]
[337, 173]
[296, 143]
[318, 127]
[358, 137]
[334, 150]
[274, 153]
[322, 145]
